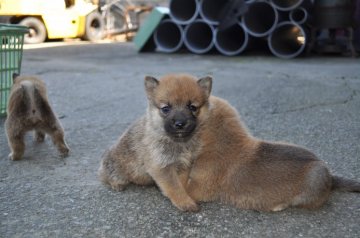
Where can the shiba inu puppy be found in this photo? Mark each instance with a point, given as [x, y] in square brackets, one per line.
[161, 146]
[195, 148]
[29, 109]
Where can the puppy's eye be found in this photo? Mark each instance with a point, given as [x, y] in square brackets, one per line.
[165, 109]
[192, 108]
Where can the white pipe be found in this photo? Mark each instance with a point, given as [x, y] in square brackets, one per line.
[168, 36]
[183, 11]
[198, 37]
[260, 19]
[288, 40]
[231, 41]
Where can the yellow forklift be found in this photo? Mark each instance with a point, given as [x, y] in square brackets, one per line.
[55, 19]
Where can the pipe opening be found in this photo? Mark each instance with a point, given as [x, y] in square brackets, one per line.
[261, 19]
[286, 5]
[210, 10]
[199, 37]
[231, 41]
[183, 11]
[299, 15]
[287, 41]
[168, 36]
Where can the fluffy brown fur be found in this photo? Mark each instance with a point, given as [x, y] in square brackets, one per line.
[236, 168]
[29, 109]
[227, 164]
[162, 144]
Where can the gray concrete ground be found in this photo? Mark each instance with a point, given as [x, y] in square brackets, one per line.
[97, 91]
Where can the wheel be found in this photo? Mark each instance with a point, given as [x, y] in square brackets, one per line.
[94, 27]
[37, 30]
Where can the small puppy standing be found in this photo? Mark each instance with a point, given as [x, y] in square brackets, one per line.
[29, 109]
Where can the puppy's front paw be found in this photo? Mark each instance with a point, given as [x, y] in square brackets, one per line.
[118, 186]
[14, 157]
[188, 206]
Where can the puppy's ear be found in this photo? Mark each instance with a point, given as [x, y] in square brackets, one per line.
[151, 84]
[14, 76]
[205, 84]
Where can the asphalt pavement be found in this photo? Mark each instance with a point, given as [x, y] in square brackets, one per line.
[97, 92]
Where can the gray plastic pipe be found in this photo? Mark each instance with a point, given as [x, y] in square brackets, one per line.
[184, 11]
[299, 15]
[286, 5]
[261, 19]
[198, 37]
[210, 10]
[231, 41]
[168, 36]
[288, 40]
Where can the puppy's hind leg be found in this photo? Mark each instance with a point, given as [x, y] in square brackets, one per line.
[17, 145]
[109, 173]
[317, 187]
[57, 135]
[58, 139]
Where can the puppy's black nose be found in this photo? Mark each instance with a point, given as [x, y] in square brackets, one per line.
[179, 124]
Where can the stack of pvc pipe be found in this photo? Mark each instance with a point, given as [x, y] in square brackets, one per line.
[193, 24]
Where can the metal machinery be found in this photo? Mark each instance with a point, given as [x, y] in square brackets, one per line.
[55, 19]
[86, 19]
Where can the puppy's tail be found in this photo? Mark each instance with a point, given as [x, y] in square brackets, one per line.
[345, 185]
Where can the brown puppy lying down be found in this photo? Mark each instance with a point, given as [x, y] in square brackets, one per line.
[195, 148]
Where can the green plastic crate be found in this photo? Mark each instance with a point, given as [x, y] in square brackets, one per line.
[11, 48]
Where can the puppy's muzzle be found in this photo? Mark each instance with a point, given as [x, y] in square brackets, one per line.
[180, 126]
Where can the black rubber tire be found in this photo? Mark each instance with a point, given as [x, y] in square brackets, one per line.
[37, 33]
[94, 27]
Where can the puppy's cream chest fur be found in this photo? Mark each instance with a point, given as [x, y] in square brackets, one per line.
[163, 151]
